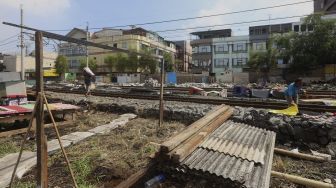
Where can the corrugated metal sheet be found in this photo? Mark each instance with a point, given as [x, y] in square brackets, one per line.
[239, 140]
[240, 143]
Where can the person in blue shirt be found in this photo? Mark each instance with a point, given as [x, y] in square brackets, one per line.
[292, 92]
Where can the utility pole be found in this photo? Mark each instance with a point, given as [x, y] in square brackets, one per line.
[41, 139]
[87, 39]
[22, 45]
[161, 93]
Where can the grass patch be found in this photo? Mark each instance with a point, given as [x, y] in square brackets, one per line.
[7, 148]
[24, 185]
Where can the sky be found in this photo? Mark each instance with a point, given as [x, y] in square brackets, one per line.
[64, 15]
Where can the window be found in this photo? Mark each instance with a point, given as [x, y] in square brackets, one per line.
[239, 47]
[264, 31]
[222, 48]
[303, 28]
[195, 63]
[74, 63]
[222, 62]
[310, 27]
[124, 45]
[204, 49]
[239, 62]
[260, 46]
[251, 31]
[296, 28]
[195, 50]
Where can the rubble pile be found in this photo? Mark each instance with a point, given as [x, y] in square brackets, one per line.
[318, 129]
[177, 111]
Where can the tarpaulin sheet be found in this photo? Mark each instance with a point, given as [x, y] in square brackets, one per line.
[291, 111]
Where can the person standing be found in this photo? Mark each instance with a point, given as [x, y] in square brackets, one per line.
[89, 77]
[292, 92]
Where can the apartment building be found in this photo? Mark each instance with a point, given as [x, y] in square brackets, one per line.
[13, 64]
[75, 53]
[184, 54]
[136, 39]
[230, 56]
[202, 49]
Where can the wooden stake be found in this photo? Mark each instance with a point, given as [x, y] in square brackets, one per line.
[59, 140]
[24, 142]
[299, 155]
[42, 162]
[301, 180]
[161, 94]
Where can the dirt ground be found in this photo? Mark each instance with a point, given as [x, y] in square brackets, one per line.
[83, 121]
[106, 160]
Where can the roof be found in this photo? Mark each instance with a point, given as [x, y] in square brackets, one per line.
[236, 152]
[212, 32]
[74, 30]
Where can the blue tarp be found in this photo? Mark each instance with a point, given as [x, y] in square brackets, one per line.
[171, 78]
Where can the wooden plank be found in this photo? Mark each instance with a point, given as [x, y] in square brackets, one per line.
[13, 118]
[133, 178]
[191, 144]
[299, 155]
[301, 180]
[24, 130]
[191, 130]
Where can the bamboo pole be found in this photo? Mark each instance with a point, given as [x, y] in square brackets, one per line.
[301, 180]
[299, 155]
[24, 140]
[59, 140]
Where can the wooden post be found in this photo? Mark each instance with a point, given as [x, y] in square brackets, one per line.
[161, 93]
[42, 156]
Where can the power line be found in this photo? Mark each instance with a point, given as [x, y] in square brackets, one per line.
[197, 17]
[9, 38]
[236, 23]
[8, 42]
[212, 15]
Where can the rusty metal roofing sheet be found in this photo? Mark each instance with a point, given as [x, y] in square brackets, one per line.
[234, 165]
[239, 140]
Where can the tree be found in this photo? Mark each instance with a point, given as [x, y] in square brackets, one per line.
[169, 62]
[147, 63]
[263, 61]
[92, 64]
[179, 64]
[132, 62]
[61, 65]
[310, 50]
[117, 61]
[110, 61]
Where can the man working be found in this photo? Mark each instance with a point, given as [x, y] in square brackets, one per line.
[89, 77]
[292, 92]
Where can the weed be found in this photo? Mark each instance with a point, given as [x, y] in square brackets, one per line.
[24, 185]
[7, 148]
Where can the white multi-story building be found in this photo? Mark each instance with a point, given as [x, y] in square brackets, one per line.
[230, 55]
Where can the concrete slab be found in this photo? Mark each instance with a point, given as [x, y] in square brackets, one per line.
[7, 163]
[53, 145]
[77, 136]
[128, 116]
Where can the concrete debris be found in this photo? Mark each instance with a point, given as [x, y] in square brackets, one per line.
[331, 147]
[7, 164]
[179, 111]
[307, 128]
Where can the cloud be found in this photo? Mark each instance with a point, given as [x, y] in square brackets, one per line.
[37, 7]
